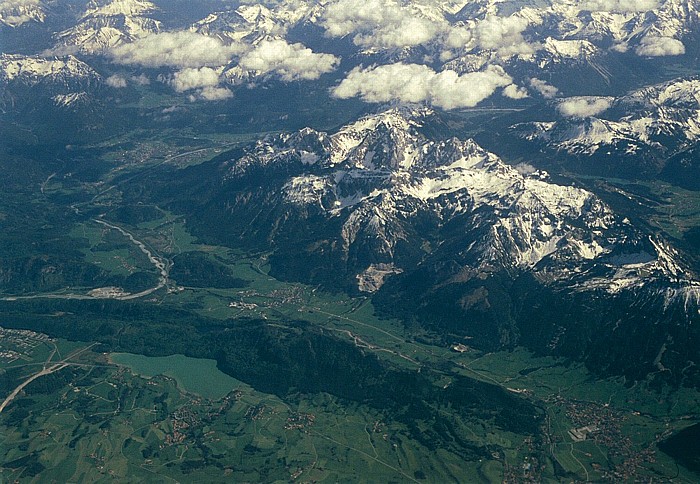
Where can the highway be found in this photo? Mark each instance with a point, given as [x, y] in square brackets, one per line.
[47, 370]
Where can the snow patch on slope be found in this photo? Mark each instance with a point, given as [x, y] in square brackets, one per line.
[32, 70]
[106, 24]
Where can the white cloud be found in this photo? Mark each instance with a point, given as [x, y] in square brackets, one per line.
[414, 83]
[504, 35]
[202, 82]
[387, 24]
[115, 81]
[289, 61]
[619, 5]
[545, 89]
[525, 169]
[584, 106]
[660, 46]
[381, 24]
[175, 49]
[141, 80]
[515, 92]
[621, 47]
[191, 78]
[212, 93]
[201, 61]
[458, 37]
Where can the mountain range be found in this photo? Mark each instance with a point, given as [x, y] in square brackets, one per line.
[444, 234]
[454, 205]
[652, 127]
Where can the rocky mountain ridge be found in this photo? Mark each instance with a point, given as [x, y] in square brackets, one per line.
[445, 235]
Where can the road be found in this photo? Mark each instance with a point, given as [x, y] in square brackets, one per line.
[47, 370]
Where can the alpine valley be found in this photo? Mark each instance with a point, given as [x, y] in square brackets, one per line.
[323, 240]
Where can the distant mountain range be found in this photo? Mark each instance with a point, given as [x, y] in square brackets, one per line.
[524, 37]
[645, 131]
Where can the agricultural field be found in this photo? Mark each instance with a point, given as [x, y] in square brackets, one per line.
[106, 422]
[105, 412]
[150, 415]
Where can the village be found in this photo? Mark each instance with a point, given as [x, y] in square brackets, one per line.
[18, 344]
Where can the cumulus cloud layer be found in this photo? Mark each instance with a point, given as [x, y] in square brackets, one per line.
[619, 5]
[584, 106]
[290, 61]
[197, 54]
[418, 83]
[387, 24]
[116, 81]
[175, 49]
[379, 24]
[546, 90]
[193, 78]
[504, 35]
[212, 93]
[201, 60]
[660, 46]
[515, 92]
[141, 80]
[201, 83]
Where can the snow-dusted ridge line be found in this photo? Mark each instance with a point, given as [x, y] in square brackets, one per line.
[106, 24]
[643, 120]
[380, 173]
[32, 70]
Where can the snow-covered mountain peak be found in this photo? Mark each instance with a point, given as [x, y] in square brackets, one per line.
[63, 82]
[106, 24]
[34, 69]
[71, 100]
[254, 13]
[380, 176]
[111, 8]
[386, 133]
[679, 94]
[659, 119]
[253, 23]
[249, 23]
[570, 49]
[16, 13]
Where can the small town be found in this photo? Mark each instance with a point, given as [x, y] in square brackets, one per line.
[17, 344]
[602, 425]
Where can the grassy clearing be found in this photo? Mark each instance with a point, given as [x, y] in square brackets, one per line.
[109, 250]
